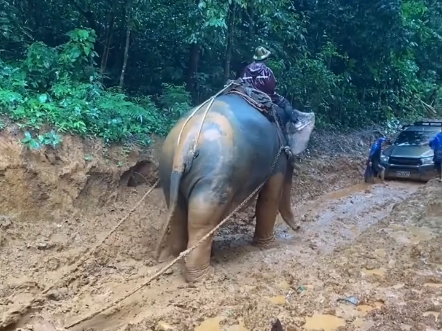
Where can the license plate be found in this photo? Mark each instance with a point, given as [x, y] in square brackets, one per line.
[403, 174]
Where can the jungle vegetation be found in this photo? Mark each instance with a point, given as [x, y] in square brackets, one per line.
[122, 69]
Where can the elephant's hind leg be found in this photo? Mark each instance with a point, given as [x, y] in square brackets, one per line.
[266, 211]
[176, 240]
[203, 216]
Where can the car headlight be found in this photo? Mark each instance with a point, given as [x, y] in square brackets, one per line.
[384, 158]
[427, 160]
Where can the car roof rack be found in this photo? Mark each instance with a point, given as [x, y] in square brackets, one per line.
[423, 123]
[428, 123]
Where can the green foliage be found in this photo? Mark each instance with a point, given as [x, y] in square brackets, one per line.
[48, 139]
[354, 63]
[175, 100]
[60, 86]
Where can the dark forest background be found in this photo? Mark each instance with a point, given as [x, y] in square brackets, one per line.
[121, 68]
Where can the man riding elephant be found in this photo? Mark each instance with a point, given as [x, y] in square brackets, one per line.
[262, 78]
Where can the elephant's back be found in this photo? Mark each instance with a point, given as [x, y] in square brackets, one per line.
[235, 121]
[255, 144]
[249, 146]
[235, 144]
[253, 130]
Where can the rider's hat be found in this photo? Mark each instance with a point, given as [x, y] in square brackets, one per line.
[261, 53]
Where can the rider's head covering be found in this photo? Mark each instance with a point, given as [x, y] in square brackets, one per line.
[261, 53]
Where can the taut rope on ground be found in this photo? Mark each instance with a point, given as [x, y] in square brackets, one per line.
[182, 254]
[8, 320]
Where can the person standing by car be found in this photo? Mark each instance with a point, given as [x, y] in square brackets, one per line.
[374, 159]
[436, 145]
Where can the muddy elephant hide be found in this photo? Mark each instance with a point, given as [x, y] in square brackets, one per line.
[235, 147]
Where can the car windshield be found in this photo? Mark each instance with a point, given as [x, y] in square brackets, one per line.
[414, 138]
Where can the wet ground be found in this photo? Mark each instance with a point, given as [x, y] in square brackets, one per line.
[367, 258]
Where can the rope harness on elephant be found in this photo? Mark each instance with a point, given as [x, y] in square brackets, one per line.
[263, 103]
[257, 99]
[250, 101]
[183, 254]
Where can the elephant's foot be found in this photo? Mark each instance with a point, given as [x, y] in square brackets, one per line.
[295, 226]
[265, 243]
[198, 275]
[162, 255]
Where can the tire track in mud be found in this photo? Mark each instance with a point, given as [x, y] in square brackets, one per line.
[329, 222]
[250, 286]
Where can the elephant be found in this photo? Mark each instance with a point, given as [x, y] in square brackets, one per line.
[235, 147]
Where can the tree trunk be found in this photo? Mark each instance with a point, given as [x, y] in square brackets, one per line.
[250, 13]
[108, 38]
[107, 46]
[230, 36]
[194, 55]
[126, 56]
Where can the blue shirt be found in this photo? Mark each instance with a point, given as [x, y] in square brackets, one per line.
[436, 142]
[436, 146]
[376, 147]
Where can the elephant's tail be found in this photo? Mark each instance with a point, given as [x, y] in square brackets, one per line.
[182, 162]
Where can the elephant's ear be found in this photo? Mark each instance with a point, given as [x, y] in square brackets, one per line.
[298, 138]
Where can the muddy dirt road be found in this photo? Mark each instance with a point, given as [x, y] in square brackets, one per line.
[378, 247]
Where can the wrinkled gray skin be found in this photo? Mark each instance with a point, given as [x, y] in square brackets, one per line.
[235, 151]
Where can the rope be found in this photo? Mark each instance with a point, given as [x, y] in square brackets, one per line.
[266, 112]
[182, 254]
[81, 260]
[210, 101]
[191, 153]
[251, 101]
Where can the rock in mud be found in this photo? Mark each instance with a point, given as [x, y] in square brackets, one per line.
[5, 222]
[168, 271]
[45, 245]
[57, 294]
[163, 326]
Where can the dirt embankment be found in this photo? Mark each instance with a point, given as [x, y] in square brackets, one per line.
[83, 176]
[55, 205]
[78, 177]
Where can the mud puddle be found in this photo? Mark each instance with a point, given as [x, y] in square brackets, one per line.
[341, 216]
[328, 221]
[298, 281]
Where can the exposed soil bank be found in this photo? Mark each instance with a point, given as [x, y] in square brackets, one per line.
[78, 177]
[82, 176]
[57, 204]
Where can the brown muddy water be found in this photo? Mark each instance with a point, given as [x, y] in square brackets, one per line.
[368, 258]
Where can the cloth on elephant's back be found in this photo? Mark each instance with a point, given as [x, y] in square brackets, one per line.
[257, 99]
[298, 139]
